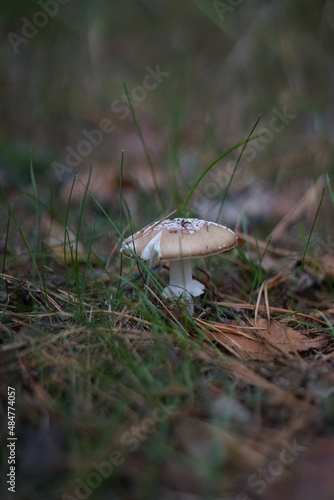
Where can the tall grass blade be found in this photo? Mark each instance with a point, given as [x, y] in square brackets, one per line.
[6, 230]
[330, 187]
[21, 233]
[203, 174]
[235, 169]
[36, 229]
[142, 141]
[294, 291]
[66, 233]
[121, 208]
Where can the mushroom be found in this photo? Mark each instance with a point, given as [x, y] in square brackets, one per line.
[178, 241]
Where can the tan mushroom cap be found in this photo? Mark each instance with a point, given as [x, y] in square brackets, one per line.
[174, 239]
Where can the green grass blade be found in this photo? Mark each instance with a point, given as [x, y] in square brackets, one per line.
[66, 234]
[24, 239]
[121, 208]
[77, 241]
[142, 141]
[294, 291]
[330, 187]
[6, 230]
[36, 230]
[203, 174]
[235, 169]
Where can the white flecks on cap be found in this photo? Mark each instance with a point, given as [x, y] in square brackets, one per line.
[179, 238]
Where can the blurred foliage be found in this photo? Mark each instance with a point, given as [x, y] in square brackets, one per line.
[227, 65]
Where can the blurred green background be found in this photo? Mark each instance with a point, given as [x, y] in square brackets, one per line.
[224, 65]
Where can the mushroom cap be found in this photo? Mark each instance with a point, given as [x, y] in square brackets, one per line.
[174, 239]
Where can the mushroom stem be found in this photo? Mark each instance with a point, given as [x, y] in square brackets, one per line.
[180, 273]
[181, 281]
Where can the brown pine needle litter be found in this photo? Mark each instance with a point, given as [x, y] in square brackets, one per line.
[123, 370]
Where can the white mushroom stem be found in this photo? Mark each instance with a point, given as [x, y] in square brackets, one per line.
[181, 280]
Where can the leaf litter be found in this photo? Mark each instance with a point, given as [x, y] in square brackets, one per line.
[242, 377]
[277, 361]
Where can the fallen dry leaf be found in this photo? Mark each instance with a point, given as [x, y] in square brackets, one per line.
[304, 207]
[262, 341]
